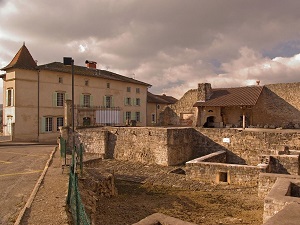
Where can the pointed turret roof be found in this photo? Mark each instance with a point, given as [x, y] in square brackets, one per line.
[22, 60]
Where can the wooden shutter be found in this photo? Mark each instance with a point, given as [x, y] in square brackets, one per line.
[91, 101]
[54, 99]
[43, 124]
[81, 100]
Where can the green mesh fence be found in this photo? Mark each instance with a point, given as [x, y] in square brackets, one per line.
[73, 199]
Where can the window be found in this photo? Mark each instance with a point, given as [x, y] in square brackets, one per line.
[60, 80]
[138, 116]
[127, 116]
[107, 85]
[59, 122]
[137, 90]
[48, 124]
[86, 83]
[138, 101]
[158, 106]
[10, 97]
[86, 121]
[86, 100]
[108, 101]
[60, 97]
[153, 120]
[127, 101]
[128, 89]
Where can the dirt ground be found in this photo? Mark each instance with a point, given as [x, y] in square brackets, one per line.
[136, 201]
[144, 190]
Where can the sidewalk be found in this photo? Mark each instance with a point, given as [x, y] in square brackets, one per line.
[48, 206]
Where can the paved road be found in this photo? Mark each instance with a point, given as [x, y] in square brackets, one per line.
[21, 165]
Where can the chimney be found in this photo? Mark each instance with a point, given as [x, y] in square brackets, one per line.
[257, 82]
[204, 92]
[90, 64]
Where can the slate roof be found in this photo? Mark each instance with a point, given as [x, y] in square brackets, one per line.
[160, 99]
[22, 60]
[240, 96]
[85, 71]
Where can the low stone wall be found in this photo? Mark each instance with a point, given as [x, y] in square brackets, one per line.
[285, 164]
[95, 185]
[223, 173]
[244, 147]
[174, 146]
[279, 197]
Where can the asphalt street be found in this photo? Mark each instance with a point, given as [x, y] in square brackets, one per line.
[21, 164]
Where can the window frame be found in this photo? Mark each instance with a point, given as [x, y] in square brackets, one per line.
[48, 124]
[138, 116]
[86, 100]
[108, 101]
[128, 89]
[59, 101]
[9, 97]
[59, 122]
[138, 90]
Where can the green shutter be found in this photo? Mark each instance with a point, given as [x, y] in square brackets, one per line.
[91, 101]
[133, 116]
[6, 97]
[81, 100]
[125, 102]
[104, 101]
[66, 96]
[112, 101]
[12, 97]
[54, 99]
[124, 117]
[43, 124]
[134, 101]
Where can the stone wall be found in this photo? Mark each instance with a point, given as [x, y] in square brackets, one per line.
[285, 164]
[94, 185]
[244, 147]
[173, 115]
[279, 197]
[278, 105]
[221, 172]
[173, 146]
[267, 180]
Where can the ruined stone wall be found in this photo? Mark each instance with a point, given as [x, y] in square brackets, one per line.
[173, 146]
[94, 140]
[245, 147]
[236, 174]
[267, 180]
[278, 197]
[285, 164]
[172, 115]
[278, 105]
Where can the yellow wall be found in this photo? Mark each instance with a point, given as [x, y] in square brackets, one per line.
[25, 85]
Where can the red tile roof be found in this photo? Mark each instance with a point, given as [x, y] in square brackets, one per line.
[240, 96]
[160, 99]
[85, 71]
[22, 60]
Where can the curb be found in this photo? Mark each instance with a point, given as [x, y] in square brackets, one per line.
[35, 189]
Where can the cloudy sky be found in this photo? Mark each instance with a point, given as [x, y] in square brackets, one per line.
[171, 44]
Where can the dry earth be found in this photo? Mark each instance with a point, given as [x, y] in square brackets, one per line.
[144, 190]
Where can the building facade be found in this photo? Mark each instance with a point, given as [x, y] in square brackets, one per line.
[34, 98]
[268, 106]
[155, 105]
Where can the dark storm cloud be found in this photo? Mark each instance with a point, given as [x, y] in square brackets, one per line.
[172, 44]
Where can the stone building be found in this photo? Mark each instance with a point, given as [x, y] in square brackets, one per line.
[34, 97]
[155, 105]
[269, 106]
